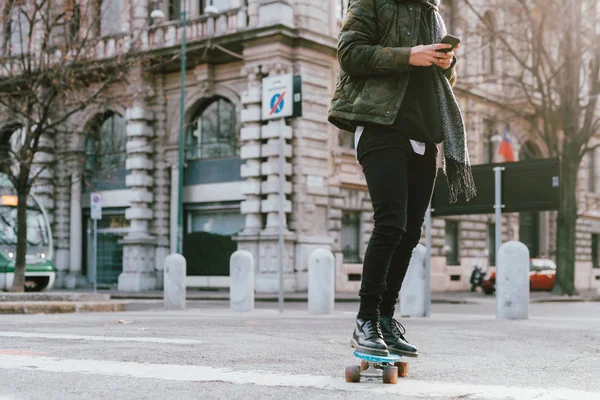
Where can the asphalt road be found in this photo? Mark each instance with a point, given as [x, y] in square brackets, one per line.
[207, 352]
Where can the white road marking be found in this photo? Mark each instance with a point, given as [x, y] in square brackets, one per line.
[187, 373]
[35, 335]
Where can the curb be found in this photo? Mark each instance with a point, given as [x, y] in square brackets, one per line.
[567, 300]
[54, 297]
[270, 299]
[58, 307]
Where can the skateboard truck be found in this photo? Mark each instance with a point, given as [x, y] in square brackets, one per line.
[377, 367]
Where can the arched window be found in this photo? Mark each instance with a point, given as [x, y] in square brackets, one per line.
[105, 152]
[489, 43]
[212, 133]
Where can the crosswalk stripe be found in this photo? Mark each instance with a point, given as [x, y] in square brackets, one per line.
[35, 335]
[187, 373]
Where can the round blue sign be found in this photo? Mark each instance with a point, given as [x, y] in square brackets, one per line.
[277, 104]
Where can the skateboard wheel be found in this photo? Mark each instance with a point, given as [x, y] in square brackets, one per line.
[402, 369]
[364, 365]
[390, 374]
[353, 374]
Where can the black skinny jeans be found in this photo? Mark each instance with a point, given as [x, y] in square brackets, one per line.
[400, 184]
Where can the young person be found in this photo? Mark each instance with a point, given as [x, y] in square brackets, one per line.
[395, 92]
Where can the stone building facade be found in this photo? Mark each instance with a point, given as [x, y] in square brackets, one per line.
[231, 178]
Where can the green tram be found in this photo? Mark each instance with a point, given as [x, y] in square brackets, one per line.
[40, 272]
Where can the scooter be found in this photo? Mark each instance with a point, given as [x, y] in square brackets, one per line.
[477, 277]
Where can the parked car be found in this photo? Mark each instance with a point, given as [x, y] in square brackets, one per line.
[542, 273]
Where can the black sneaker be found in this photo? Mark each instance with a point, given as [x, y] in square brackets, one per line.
[393, 334]
[367, 338]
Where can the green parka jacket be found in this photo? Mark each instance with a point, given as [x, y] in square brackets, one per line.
[374, 51]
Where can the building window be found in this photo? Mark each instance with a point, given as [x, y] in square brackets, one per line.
[595, 243]
[346, 139]
[19, 29]
[74, 21]
[351, 237]
[491, 244]
[451, 247]
[213, 132]
[105, 152]
[173, 10]
[488, 43]
[220, 5]
[592, 184]
[110, 17]
[341, 8]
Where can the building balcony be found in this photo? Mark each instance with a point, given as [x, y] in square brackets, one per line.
[169, 34]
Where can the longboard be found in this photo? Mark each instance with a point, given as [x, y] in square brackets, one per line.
[377, 367]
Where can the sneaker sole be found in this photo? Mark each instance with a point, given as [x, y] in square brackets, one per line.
[366, 350]
[404, 353]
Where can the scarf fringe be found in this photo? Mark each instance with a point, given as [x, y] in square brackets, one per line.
[460, 180]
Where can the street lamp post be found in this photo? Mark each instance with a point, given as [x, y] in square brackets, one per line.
[183, 19]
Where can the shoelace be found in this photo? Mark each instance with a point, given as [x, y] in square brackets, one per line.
[398, 328]
[373, 328]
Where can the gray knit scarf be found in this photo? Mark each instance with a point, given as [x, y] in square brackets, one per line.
[457, 166]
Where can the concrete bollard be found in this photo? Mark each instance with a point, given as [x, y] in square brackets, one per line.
[174, 282]
[413, 293]
[241, 281]
[512, 281]
[321, 282]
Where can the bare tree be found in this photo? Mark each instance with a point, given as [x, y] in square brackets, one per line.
[551, 70]
[57, 59]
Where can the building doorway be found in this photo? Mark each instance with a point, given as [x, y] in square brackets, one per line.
[112, 228]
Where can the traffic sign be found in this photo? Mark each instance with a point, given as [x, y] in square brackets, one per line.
[96, 205]
[282, 97]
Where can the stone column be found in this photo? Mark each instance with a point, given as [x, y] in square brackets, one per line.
[139, 245]
[251, 152]
[75, 278]
[267, 279]
[250, 146]
[161, 186]
[62, 212]
[270, 187]
[139, 23]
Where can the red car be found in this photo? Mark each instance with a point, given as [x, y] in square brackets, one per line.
[541, 276]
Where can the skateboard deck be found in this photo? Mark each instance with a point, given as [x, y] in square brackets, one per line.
[377, 367]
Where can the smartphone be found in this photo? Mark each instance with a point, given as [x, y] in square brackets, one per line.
[449, 39]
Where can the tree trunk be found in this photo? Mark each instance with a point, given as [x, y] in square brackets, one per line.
[20, 265]
[566, 228]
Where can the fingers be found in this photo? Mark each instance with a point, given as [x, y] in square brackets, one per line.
[443, 63]
[441, 46]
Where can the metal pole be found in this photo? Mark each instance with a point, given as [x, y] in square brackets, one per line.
[428, 261]
[498, 209]
[181, 128]
[281, 204]
[95, 245]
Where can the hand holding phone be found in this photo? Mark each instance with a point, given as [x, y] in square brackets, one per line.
[452, 40]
